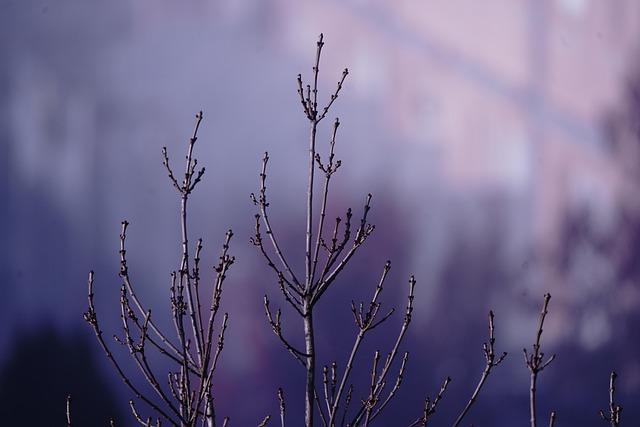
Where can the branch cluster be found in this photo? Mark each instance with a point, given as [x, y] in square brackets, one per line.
[183, 395]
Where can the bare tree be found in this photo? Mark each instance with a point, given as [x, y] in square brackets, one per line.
[326, 255]
[183, 395]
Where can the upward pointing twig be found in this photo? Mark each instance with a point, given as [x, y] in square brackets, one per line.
[534, 361]
[69, 411]
[490, 358]
[430, 406]
[613, 418]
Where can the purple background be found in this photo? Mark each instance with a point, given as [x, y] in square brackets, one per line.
[500, 142]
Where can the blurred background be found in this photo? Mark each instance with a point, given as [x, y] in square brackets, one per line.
[500, 141]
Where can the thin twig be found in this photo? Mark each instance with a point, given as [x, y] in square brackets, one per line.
[490, 362]
[379, 384]
[431, 406]
[189, 399]
[262, 204]
[91, 318]
[365, 322]
[264, 421]
[68, 411]
[613, 417]
[534, 361]
[281, 406]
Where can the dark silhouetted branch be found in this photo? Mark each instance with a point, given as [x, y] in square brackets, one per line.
[535, 361]
[490, 362]
[613, 416]
[186, 399]
[430, 406]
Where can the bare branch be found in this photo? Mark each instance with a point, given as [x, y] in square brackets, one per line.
[68, 412]
[187, 404]
[334, 96]
[281, 406]
[305, 104]
[613, 417]
[395, 388]
[264, 421]
[430, 406]
[491, 361]
[534, 361]
[257, 241]
[329, 170]
[276, 327]
[172, 178]
[262, 204]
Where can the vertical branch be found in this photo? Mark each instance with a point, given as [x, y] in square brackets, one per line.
[264, 421]
[196, 287]
[312, 157]
[613, 418]
[90, 316]
[263, 204]
[187, 187]
[365, 321]
[282, 406]
[379, 385]
[329, 169]
[534, 361]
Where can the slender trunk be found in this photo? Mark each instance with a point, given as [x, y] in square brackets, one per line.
[532, 399]
[310, 365]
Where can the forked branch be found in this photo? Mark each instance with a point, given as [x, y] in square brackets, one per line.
[325, 257]
[186, 399]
